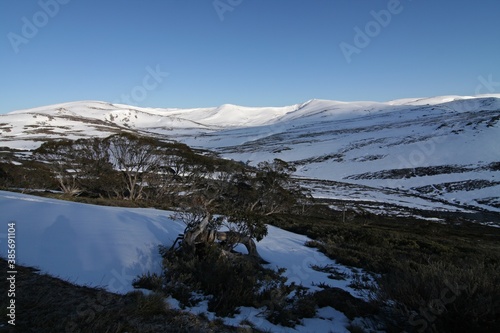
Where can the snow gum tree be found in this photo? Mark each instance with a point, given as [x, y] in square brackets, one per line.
[136, 158]
[244, 199]
[227, 204]
[81, 165]
[62, 158]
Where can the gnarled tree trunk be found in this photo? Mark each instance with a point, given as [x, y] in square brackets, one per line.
[239, 238]
[201, 234]
[194, 236]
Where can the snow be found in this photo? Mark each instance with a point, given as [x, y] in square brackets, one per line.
[110, 246]
[328, 320]
[437, 99]
[329, 140]
[88, 245]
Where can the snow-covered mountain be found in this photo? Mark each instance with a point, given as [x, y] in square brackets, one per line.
[429, 153]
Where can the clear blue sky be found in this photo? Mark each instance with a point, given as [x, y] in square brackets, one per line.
[251, 52]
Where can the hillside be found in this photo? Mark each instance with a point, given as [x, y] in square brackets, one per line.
[109, 247]
[438, 153]
[382, 175]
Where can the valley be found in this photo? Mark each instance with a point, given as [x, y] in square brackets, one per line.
[437, 154]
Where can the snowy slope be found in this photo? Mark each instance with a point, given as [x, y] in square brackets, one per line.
[446, 151]
[88, 245]
[442, 148]
[109, 247]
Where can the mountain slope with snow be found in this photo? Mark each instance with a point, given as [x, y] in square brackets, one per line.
[443, 150]
[447, 151]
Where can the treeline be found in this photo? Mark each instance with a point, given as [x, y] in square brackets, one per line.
[151, 172]
[123, 166]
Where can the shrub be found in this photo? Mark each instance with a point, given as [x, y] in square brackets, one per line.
[289, 309]
[343, 301]
[443, 297]
[229, 281]
[148, 281]
[150, 305]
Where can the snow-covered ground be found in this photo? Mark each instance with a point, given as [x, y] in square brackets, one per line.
[109, 246]
[351, 142]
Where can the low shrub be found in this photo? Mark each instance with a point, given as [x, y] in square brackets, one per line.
[230, 281]
[289, 309]
[443, 297]
[149, 281]
[150, 305]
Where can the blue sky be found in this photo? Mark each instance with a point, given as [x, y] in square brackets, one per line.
[196, 53]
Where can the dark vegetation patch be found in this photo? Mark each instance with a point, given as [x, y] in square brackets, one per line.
[48, 304]
[368, 158]
[228, 283]
[417, 262]
[5, 127]
[406, 173]
[490, 201]
[318, 159]
[494, 166]
[45, 130]
[466, 185]
[341, 300]
[493, 121]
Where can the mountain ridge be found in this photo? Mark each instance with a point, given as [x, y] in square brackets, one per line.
[419, 146]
